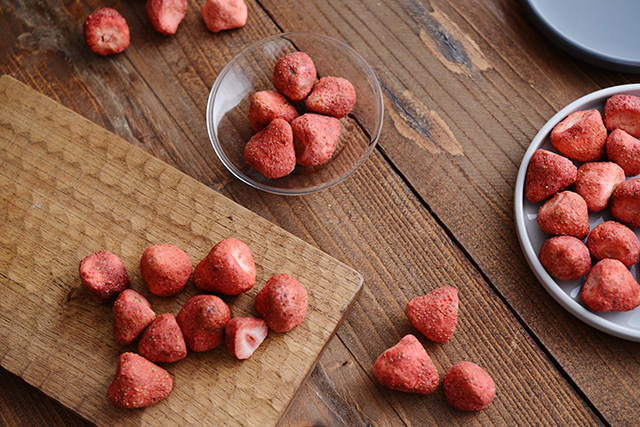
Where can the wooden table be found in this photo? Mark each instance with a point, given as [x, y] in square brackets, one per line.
[467, 85]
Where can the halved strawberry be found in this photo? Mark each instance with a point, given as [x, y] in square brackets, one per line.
[243, 335]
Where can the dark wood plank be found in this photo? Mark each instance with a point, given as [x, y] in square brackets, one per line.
[155, 94]
[467, 87]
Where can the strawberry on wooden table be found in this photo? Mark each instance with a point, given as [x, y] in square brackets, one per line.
[106, 32]
[166, 15]
[407, 367]
[282, 303]
[132, 313]
[202, 320]
[219, 15]
[243, 335]
[163, 340]
[548, 173]
[435, 314]
[138, 382]
[468, 387]
[166, 269]
[227, 269]
[103, 276]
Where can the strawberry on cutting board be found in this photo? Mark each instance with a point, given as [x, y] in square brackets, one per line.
[243, 335]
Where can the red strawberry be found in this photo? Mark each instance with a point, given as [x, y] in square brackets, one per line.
[581, 136]
[202, 321]
[468, 387]
[614, 240]
[435, 314]
[219, 15]
[106, 32]
[227, 269]
[163, 340]
[131, 314]
[333, 96]
[624, 150]
[166, 269]
[267, 105]
[623, 112]
[243, 335]
[138, 383]
[547, 174]
[596, 181]
[166, 15]
[271, 151]
[294, 75]
[609, 286]
[103, 276]
[315, 138]
[565, 214]
[625, 203]
[407, 367]
[282, 303]
[565, 257]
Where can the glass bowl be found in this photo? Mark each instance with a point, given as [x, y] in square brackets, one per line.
[252, 70]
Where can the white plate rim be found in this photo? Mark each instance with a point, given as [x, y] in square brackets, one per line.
[589, 317]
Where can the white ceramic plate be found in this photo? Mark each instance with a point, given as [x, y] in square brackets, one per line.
[621, 324]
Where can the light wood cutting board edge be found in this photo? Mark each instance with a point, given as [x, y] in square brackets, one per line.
[9, 83]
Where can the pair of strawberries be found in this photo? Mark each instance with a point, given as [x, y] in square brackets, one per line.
[106, 31]
[286, 138]
[407, 366]
[597, 184]
[202, 324]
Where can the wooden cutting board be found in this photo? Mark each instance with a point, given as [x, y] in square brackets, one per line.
[69, 188]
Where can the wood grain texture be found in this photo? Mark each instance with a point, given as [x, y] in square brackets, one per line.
[467, 87]
[70, 188]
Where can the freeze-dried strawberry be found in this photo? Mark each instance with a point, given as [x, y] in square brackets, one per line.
[614, 240]
[435, 314]
[581, 136]
[219, 15]
[596, 181]
[407, 367]
[106, 32]
[163, 340]
[166, 269]
[227, 269]
[166, 15]
[565, 214]
[468, 387]
[333, 96]
[131, 314]
[294, 75]
[282, 303]
[548, 173]
[625, 203]
[315, 138]
[243, 335]
[202, 320]
[565, 257]
[138, 382]
[609, 286]
[624, 150]
[623, 112]
[271, 150]
[268, 105]
[103, 276]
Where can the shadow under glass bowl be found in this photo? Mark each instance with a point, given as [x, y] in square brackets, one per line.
[252, 70]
